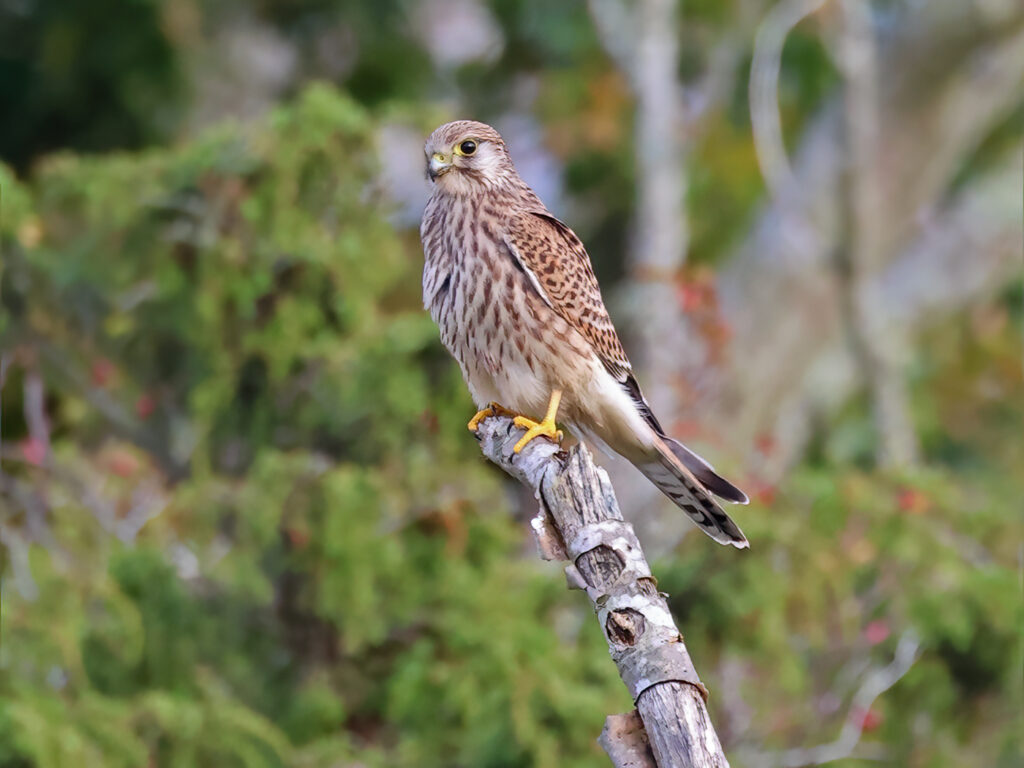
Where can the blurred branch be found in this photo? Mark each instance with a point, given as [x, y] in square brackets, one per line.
[764, 89]
[4, 363]
[877, 355]
[31, 509]
[34, 406]
[18, 557]
[661, 236]
[615, 28]
[579, 520]
[875, 683]
[719, 79]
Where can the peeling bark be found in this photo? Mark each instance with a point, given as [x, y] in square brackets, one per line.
[625, 741]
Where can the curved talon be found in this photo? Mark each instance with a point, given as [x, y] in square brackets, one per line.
[494, 409]
[479, 416]
[546, 427]
[535, 429]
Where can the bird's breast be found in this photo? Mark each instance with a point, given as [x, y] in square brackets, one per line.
[512, 347]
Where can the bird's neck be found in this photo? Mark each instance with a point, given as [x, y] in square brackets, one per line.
[505, 190]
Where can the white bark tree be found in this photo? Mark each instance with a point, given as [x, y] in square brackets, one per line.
[946, 78]
[643, 40]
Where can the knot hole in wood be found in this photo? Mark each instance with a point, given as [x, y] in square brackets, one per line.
[625, 626]
[601, 566]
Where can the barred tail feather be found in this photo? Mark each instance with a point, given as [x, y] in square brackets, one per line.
[672, 477]
[706, 474]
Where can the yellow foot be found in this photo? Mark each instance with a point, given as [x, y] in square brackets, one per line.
[494, 409]
[535, 429]
[546, 427]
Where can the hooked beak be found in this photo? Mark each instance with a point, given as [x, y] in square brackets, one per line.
[438, 166]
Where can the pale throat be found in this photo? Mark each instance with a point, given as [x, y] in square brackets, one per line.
[502, 183]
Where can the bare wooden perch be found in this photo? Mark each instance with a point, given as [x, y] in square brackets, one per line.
[579, 521]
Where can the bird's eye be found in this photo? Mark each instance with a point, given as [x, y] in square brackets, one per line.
[467, 147]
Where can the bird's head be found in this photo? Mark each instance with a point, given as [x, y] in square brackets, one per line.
[467, 155]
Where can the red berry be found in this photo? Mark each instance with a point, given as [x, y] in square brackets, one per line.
[102, 372]
[33, 451]
[912, 501]
[876, 632]
[123, 463]
[145, 406]
[870, 720]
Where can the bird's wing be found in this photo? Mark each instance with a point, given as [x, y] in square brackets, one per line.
[559, 268]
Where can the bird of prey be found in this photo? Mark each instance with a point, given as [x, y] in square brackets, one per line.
[514, 294]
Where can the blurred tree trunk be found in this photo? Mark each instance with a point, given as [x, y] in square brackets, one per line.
[972, 251]
[644, 43]
[950, 74]
[661, 235]
[879, 356]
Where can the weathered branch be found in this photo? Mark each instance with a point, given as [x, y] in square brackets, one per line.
[579, 520]
[625, 741]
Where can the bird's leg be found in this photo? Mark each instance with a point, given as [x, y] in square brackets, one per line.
[546, 427]
[494, 409]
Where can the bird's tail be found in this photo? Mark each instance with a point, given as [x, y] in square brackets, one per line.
[688, 480]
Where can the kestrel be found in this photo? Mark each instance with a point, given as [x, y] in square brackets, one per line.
[513, 291]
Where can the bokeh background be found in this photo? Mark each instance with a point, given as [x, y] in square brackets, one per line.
[241, 520]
